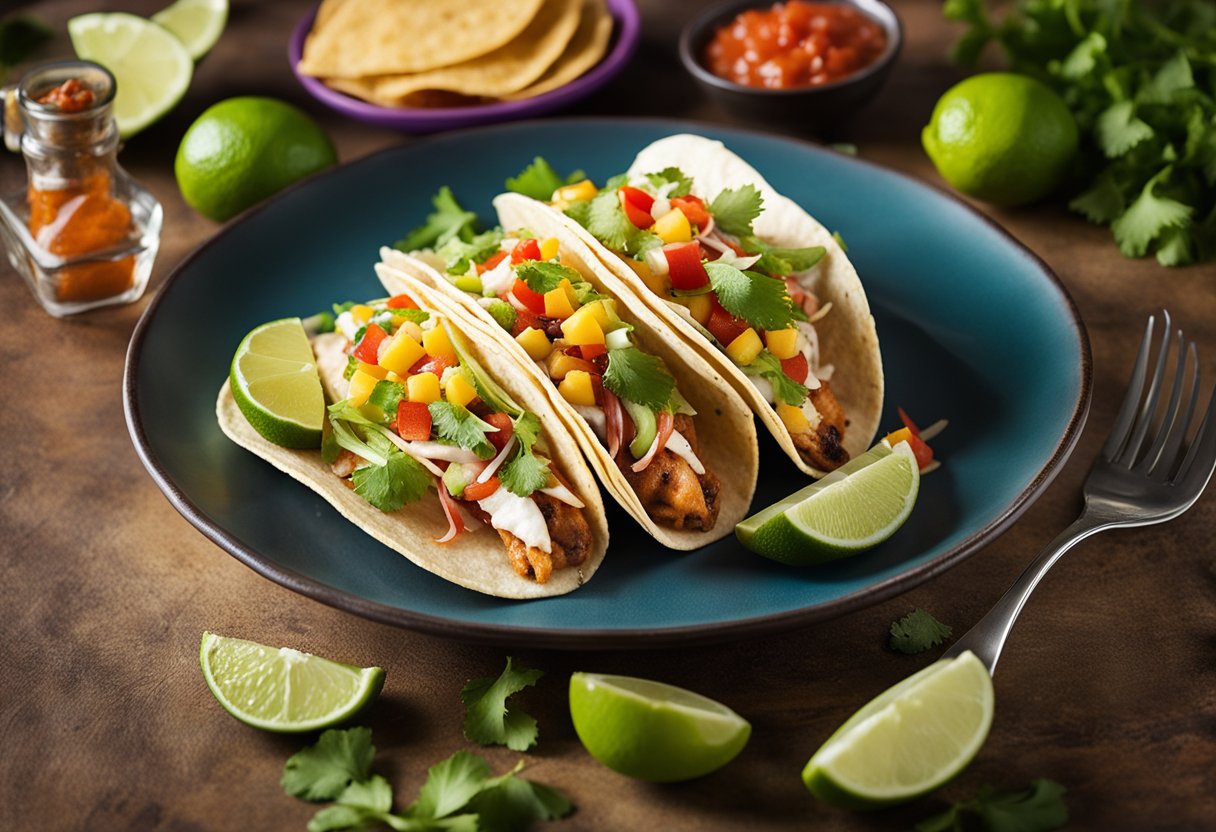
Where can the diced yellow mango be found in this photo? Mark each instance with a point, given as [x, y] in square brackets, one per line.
[576, 388]
[699, 306]
[372, 370]
[793, 418]
[558, 303]
[402, 353]
[579, 190]
[548, 248]
[458, 390]
[744, 349]
[394, 377]
[361, 386]
[411, 329]
[535, 343]
[673, 227]
[782, 343]
[901, 435]
[423, 387]
[584, 327]
[435, 342]
[361, 313]
[561, 365]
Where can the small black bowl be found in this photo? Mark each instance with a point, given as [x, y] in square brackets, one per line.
[810, 107]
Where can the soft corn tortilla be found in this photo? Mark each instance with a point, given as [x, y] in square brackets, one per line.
[586, 48]
[508, 69]
[477, 559]
[847, 336]
[726, 434]
[358, 38]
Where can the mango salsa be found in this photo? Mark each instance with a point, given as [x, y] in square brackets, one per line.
[573, 193]
[372, 370]
[535, 343]
[699, 306]
[402, 353]
[673, 227]
[577, 389]
[458, 390]
[435, 342]
[423, 387]
[782, 343]
[793, 418]
[558, 302]
[361, 313]
[744, 349]
[361, 386]
[548, 248]
[561, 364]
[583, 327]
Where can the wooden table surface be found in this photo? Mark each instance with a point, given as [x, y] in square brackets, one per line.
[1108, 685]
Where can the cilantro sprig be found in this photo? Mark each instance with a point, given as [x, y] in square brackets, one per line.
[525, 472]
[456, 425]
[1040, 808]
[457, 253]
[640, 378]
[1137, 77]
[545, 277]
[735, 209]
[447, 222]
[488, 721]
[539, 180]
[760, 300]
[681, 182]
[785, 389]
[603, 216]
[918, 631]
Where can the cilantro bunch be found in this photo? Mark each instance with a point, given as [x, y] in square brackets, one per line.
[1139, 77]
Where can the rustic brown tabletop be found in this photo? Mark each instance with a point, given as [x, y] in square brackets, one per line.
[1108, 685]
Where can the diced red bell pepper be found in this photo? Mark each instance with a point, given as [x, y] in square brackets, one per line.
[684, 266]
[723, 325]
[587, 352]
[401, 302]
[368, 348]
[907, 420]
[796, 368]
[494, 261]
[506, 428]
[693, 208]
[525, 250]
[524, 318]
[434, 364]
[475, 491]
[535, 301]
[414, 421]
[637, 204]
[921, 450]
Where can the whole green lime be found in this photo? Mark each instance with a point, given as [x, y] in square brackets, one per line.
[1000, 137]
[242, 150]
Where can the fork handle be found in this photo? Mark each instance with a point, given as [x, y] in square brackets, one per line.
[987, 637]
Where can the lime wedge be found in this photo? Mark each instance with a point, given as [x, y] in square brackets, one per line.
[850, 510]
[198, 24]
[152, 67]
[275, 383]
[284, 690]
[653, 731]
[909, 740]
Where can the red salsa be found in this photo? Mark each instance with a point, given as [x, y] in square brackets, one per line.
[795, 44]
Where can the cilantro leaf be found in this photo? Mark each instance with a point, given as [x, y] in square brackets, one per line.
[1147, 217]
[917, 631]
[527, 429]
[338, 817]
[761, 301]
[375, 795]
[503, 314]
[539, 180]
[418, 316]
[458, 253]
[450, 785]
[1040, 808]
[1118, 129]
[639, 377]
[606, 220]
[734, 209]
[387, 395]
[785, 389]
[487, 719]
[448, 221]
[390, 486]
[459, 426]
[671, 175]
[545, 277]
[515, 803]
[524, 473]
[780, 262]
[324, 770]
[1102, 202]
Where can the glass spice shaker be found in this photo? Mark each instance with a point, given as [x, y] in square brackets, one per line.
[83, 233]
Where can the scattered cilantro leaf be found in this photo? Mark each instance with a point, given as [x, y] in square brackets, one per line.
[524, 473]
[539, 180]
[760, 300]
[780, 262]
[639, 377]
[1040, 808]
[734, 209]
[20, 40]
[375, 795]
[448, 221]
[515, 803]
[387, 395]
[324, 770]
[917, 631]
[1118, 129]
[503, 313]
[785, 389]
[458, 253]
[459, 426]
[1148, 217]
[487, 719]
[388, 487]
[545, 277]
[1102, 202]
[673, 175]
[449, 785]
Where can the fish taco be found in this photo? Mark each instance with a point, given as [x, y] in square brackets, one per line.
[443, 451]
[664, 431]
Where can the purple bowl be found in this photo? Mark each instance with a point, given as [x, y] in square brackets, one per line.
[627, 32]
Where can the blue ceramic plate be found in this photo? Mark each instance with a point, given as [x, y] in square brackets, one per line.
[973, 327]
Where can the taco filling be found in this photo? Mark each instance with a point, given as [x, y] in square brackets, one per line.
[743, 295]
[412, 411]
[578, 339]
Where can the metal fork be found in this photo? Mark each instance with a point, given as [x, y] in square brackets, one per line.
[1131, 483]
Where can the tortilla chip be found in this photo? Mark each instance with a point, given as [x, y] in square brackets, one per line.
[358, 38]
[585, 50]
[507, 69]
